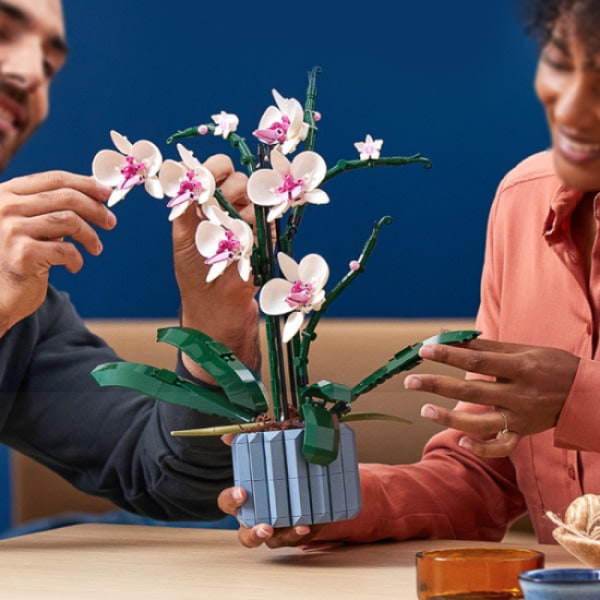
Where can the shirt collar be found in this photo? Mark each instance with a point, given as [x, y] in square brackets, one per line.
[561, 208]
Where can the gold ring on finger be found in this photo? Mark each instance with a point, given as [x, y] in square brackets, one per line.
[505, 428]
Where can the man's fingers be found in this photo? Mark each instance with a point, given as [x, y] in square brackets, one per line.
[64, 253]
[221, 166]
[234, 189]
[50, 202]
[35, 258]
[56, 180]
[59, 225]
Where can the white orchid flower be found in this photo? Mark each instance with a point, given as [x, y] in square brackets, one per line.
[132, 165]
[185, 182]
[288, 183]
[223, 241]
[226, 123]
[370, 148]
[283, 124]
[299, 293]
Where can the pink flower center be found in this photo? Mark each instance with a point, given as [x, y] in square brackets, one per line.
[291, 189]
[370, 149]
[189, 189]
[280, 128]
[228, 249]
[300, 294]
[133, 173]
[275, 133]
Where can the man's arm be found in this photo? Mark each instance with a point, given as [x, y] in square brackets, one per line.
[110, 441]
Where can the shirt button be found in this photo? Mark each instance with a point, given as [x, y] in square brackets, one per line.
[571, 472]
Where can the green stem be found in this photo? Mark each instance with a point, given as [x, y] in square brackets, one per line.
[384, 161]
[285, 241]
[226, 205]
[263, 264]
[309, 331]
[247, 159]
[309, 108]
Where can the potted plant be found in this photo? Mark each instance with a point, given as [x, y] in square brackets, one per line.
[294, 453]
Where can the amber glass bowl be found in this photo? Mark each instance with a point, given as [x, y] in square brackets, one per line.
[469, 573]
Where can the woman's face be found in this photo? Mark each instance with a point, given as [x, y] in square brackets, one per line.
[568, 85]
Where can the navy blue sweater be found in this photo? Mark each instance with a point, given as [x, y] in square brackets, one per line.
[108, 441]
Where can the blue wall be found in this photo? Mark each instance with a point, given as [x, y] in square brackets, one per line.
[450, 80]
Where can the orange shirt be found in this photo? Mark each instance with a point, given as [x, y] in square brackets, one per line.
[534, 290]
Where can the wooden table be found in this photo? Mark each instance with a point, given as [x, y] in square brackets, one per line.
[111, 562]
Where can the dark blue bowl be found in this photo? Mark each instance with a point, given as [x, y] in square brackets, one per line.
[560, 584]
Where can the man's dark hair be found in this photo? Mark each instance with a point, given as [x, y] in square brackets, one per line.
[541, 16]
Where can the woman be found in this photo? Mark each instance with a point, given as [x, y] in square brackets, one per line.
[523, 436]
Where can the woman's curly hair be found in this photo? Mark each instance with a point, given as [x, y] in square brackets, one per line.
[541, 16]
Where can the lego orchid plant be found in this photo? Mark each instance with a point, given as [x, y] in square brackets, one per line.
[279, 186]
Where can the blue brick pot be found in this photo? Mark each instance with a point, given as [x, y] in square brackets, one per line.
[284, 489]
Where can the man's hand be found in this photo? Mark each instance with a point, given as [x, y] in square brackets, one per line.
[42, 219]
[226, 308]
[527, 385]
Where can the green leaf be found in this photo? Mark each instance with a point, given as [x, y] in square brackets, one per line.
[239, 383]
[321, 435]
[169, 387]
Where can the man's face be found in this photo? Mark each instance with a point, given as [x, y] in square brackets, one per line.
[568, 86]
[32, 50]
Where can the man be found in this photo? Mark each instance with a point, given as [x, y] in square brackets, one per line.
[106, 441]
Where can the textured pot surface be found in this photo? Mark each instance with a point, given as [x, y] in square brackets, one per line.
[284, 489]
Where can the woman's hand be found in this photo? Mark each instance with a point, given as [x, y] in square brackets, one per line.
[527, 385]
[232, 498]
